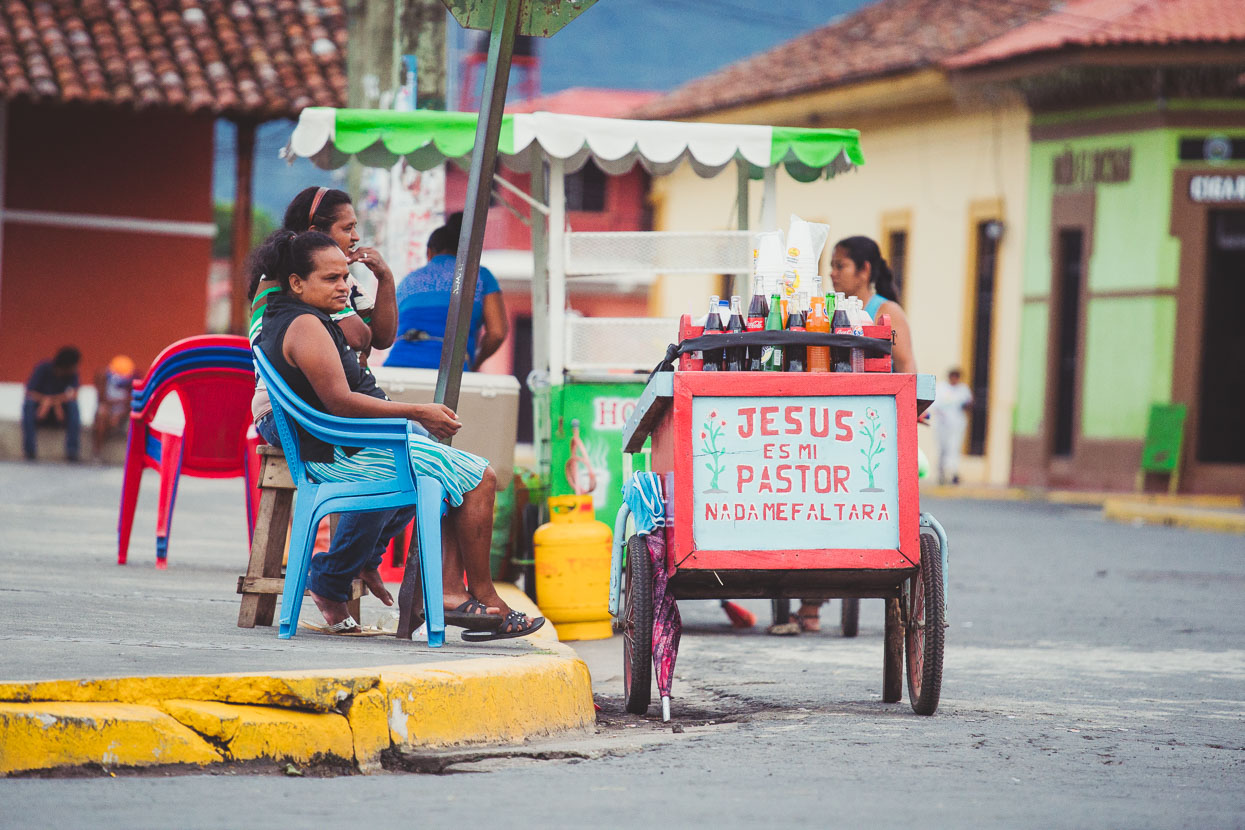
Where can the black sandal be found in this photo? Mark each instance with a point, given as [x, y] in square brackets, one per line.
[516, 624]
[473, 615]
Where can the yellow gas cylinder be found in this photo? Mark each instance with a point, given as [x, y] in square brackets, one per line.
[572, 554]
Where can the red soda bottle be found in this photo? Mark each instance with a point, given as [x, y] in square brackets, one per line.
[796, 355]
[758, 310]
[840, 323]
[735, 355]
[713, 324]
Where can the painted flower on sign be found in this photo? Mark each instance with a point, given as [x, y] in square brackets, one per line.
[710, 432]
[872, 431]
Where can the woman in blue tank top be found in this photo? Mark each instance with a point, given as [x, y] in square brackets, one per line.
[857, 268]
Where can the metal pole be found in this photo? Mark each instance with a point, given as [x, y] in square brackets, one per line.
[769, 200]
[540, 269]
[541, 431]
[557, 269]
[475, 212]
[741, 208]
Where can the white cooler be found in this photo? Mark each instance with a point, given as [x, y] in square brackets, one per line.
[488, 406]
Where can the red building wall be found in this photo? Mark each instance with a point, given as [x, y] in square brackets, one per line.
[106, 291]
[625, 208]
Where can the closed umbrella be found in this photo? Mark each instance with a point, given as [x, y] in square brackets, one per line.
[667, 623]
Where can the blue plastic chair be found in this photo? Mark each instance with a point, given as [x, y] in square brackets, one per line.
[315, 500]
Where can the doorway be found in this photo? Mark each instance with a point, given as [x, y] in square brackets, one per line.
[1069, 276]
[983, 316]
[1220, 439]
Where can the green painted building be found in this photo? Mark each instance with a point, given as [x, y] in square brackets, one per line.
[1134, 273]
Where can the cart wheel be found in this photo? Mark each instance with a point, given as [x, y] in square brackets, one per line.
[849, 617]
[782, 611]
[637, 617]
[925, 630]
[892, 655]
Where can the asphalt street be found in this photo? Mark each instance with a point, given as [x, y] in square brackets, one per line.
[1094, 677]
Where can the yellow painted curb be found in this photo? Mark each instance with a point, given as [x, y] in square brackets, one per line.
[322, 691]
[298, 715]
[969, 491]
[490, 700]
[250, 732]
[46, 735]
[369, 728]
[1205, 500]
[1192, 518]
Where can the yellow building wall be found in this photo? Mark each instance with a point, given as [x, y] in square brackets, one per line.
[944, 166]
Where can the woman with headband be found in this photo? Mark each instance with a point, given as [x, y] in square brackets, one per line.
[368, 322]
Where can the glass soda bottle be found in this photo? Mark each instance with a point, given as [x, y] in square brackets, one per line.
[735, 355]
[758, 311]
[771, 356]
[796, 355]
[840, 323]
[713, 324]
[818, 356]
[856, 314]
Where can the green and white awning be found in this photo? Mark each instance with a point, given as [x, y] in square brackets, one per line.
[426, 138]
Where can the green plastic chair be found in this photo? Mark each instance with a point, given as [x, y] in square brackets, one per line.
[1162, 448]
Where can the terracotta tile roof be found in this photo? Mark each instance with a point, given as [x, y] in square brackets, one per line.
[883, 38]
[259, 57]
[601, 103]
[1089, 23]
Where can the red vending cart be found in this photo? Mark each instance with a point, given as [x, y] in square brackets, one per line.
[789, 485]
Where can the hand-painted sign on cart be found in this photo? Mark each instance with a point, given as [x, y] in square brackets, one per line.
[790, 471]
[795, 472]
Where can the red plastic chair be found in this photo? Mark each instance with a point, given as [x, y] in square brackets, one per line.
[213, 443]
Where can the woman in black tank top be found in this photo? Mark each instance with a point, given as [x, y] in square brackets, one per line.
[310, 353]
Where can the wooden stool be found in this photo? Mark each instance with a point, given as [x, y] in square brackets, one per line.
[264, 580]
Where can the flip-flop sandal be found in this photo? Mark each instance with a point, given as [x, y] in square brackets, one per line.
[788, 629]
[810, 623]
[473, 615]
[515, 620]
[346, 628]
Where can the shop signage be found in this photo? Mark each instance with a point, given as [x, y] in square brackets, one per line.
[611, 413]
[1077, 168]
[795, 473]
[1217, 188]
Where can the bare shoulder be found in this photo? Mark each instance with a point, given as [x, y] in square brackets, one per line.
[895, 310]
[308, 326]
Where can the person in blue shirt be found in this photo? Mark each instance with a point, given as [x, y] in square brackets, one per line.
[424, 302]
[52, 400]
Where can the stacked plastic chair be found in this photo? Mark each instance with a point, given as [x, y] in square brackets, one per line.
[316, 500]
[214, 378]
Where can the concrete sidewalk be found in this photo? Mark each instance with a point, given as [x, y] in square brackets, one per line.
[102, 665]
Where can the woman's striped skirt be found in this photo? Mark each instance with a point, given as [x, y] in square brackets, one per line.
[458, 470]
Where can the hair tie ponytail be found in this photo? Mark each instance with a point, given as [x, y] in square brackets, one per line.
[862, 250]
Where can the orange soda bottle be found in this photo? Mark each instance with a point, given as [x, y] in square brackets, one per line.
[818, 356]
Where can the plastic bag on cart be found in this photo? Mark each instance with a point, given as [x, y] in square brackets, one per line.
[642, 495]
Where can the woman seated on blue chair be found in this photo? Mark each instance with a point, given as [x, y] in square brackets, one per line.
[309, 351]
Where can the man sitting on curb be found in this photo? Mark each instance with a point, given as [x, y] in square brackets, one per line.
[52, 400]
